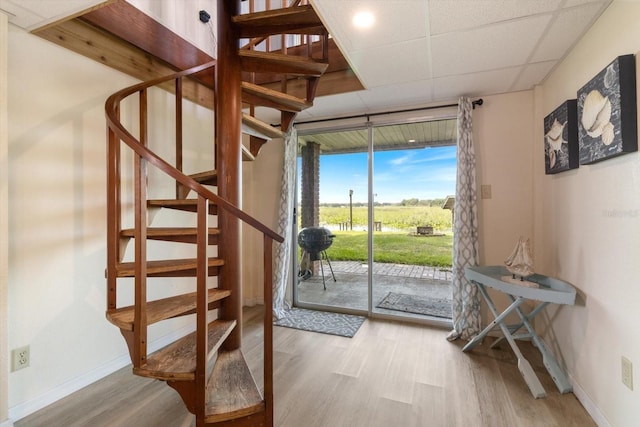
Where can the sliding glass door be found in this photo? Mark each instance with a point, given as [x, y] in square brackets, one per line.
[381, 192]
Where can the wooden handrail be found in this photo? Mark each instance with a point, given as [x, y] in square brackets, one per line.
[111, 108]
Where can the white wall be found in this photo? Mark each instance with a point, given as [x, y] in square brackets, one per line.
[57, 218]
[4, 220]
[587, 229]
[503, 140]
[261, 199]
[182, 17]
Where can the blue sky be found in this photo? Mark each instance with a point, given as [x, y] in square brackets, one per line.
[426, 173]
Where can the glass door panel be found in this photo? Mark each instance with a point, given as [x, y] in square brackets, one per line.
[335, 278]
[413, 174]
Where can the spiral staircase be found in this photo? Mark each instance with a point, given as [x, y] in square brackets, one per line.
[207, 367]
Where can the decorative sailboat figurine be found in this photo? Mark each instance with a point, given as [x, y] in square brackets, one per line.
[520, 262]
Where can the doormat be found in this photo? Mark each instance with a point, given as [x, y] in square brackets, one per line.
[437, 307]
[345, 325]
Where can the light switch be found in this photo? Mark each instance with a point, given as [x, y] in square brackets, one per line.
[485, 191]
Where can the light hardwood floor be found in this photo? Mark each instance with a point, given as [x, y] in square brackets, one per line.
[389, 374]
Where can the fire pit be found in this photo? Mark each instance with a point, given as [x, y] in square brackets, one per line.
[314, 242]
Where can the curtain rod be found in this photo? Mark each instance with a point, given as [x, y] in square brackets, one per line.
[475, 103]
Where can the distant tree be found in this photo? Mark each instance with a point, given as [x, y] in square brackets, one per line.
[410, 202]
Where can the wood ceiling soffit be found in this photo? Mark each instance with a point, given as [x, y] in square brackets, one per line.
[101, 46]
[83, 37]
[139, 29]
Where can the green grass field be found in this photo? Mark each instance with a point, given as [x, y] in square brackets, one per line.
[401, 218]
[398, 248]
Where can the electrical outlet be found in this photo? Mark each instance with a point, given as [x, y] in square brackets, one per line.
[19, 358]
[627, 373]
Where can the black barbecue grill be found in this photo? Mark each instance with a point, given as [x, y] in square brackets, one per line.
[314, 242]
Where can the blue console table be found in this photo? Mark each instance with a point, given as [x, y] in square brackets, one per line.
[540, 288]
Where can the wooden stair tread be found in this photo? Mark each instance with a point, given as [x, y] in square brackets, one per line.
[162, 309]
[209, 177]
[167, 231]
[189, 205]
[258, 95]
[261, 127]
[278, 63]
[177, 361]
[232, 390]
[299, 19]
[127, 269]
[175, 234]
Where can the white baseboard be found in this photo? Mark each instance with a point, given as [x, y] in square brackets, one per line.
[591, 408]
[24, 409]
[6, 423]
[250, 302]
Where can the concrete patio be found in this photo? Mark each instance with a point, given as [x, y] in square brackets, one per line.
[350, 288]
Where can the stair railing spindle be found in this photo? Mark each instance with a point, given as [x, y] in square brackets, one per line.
[202, 303]
[140, 227]
[180, 192]
[114, 211]
[140, 280]
[268, 326]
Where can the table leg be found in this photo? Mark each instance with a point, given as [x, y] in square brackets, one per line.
[523, 364]
[515, 328]
[550, 362]
[498, 318]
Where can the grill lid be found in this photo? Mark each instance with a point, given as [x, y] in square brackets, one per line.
[315, 239]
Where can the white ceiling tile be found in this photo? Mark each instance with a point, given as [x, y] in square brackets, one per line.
[476, 84]
[30, 14]
[532, 74]
[567, 27]
[487, 48]
[395, 21]
[18, 15]
[333, 105]
[411, 93]
[391, 64]
[447, 15]
[572, 3]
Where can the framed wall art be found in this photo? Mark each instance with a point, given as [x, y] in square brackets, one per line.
[607, 124]
[561, 138]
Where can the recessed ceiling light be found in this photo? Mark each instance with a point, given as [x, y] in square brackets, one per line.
[363, 19]
[412, 140]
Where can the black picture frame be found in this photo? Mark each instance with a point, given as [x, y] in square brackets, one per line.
[607, 122]
[561, 138]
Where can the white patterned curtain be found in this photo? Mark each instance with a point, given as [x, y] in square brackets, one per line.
[282, 266]
[466, 303]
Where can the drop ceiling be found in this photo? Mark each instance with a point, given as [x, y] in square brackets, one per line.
[428, 51]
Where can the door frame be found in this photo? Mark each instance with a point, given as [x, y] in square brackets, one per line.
[356, 123]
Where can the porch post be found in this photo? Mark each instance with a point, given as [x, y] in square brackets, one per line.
[310, 198]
